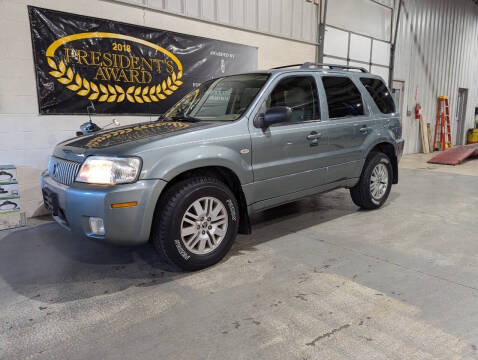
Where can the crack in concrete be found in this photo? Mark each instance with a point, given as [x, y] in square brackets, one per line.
[328, 334]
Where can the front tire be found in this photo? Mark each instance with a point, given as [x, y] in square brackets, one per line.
[196, 223]
[375, 183]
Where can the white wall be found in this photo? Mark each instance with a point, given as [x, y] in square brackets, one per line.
[27, 139]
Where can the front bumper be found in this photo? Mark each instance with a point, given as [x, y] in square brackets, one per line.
[75, 204]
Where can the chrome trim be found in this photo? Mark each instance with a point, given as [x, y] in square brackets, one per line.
[63, 171]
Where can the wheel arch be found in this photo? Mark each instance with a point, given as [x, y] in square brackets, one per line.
[225, 175]
[388, 149]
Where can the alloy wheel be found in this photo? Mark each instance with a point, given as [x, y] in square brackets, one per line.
[379, 181]
[204, 225]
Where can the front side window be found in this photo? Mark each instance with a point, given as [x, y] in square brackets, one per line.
[223, 99]
[343, 97]
[300, 94]
[380, 94]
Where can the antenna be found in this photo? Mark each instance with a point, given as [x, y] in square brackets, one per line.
[90, 108]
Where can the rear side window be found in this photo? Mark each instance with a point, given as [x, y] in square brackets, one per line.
[300, 94]
[343, 97]
[380, 94]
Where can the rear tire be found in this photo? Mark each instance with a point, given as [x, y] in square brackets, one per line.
[375, 183]
[196, 223]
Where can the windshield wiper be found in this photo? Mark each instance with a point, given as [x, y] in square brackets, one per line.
[186, 118]
[182, 117]
[163, 118]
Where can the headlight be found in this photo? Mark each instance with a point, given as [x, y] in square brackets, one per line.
[109, 170]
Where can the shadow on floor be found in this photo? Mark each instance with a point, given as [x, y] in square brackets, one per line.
[52, 265]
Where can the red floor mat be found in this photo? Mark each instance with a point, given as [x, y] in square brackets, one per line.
[456, 155]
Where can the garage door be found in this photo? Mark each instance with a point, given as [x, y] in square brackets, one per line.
[348, 48]
[358, 33]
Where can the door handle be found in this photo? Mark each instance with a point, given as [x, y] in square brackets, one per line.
[364, 129]
[313, 136]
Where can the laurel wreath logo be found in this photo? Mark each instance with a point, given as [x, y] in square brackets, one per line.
[113, 93]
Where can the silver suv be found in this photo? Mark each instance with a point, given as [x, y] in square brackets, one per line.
[233, 146]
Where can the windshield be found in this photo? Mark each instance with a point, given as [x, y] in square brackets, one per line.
[223, 99]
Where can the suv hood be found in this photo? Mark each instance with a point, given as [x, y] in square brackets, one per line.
[139, 132]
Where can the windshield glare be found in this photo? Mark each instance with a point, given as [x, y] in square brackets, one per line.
[223, 99]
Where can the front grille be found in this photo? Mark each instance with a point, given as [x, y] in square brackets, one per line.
[63, 171]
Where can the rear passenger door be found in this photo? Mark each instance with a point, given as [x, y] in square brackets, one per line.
[349, 123]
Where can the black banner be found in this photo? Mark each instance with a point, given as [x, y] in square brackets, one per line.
[122, 68]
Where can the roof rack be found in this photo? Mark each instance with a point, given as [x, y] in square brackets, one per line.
[286, 66]
[308, 65]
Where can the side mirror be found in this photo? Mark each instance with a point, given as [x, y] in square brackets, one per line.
[272, 116]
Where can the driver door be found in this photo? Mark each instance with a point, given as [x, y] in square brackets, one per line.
[289, 157]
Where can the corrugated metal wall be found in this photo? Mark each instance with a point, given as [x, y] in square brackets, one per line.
[436, 54]
[291, 19]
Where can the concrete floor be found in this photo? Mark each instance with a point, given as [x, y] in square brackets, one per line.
[318, 279]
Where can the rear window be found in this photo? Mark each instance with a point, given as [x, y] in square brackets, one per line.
[343, 97]
[380, 94]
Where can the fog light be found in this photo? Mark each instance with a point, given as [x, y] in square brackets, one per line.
[97, 226]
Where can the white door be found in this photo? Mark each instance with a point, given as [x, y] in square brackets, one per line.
[461, 116]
